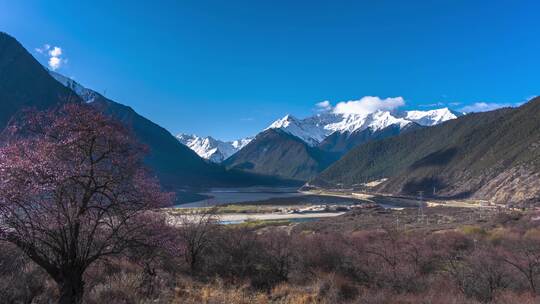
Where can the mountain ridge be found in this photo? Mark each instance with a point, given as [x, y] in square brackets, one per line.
[278, 153]
[314, 130]
[323, 139]
[492, 155]
[19, 70]
[212, 149]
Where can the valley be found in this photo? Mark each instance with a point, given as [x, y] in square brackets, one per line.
[268, 205]
[364, 152]
[291, 206]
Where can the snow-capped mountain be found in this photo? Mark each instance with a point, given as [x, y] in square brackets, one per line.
[240, 143]
[314, 129]
[431, 117]
[212, 149]
[86, 94]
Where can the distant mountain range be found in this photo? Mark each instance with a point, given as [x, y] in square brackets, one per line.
[299, 149]
[314, 130]
[212, 149]
[492, 155]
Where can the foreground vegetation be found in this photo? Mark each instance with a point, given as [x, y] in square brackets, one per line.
[492, 258]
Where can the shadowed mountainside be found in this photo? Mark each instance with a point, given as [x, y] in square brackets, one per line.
[342, 142]
[278, 153]
[275, 152]
[25, 83]
[175, 163]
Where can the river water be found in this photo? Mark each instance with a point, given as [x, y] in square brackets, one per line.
[220, 196]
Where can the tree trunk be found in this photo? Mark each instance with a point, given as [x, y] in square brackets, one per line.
[71, 289]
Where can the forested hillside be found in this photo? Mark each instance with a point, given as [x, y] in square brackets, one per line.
[492, 155]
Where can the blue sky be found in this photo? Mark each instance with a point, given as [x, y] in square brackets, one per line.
[229, 68]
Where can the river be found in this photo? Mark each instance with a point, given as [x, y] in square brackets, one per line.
[221, 196]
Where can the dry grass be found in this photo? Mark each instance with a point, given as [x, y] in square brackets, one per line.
[188, 292]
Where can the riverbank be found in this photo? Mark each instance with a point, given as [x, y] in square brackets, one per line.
[401, 201]
[242, 217]
[297, 207]
[237, 213]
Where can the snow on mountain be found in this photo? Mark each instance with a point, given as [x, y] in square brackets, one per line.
[315, 129]
[311, 130]
[240, 143]
[431, 117]
[86, 94]
[212, 149]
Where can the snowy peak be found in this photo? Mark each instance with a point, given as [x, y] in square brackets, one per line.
[314, 129]
[240, 143]
[382, 119]
[86, 94]
[210, 148]
[310, 130]
[284, 122]
[431, 117]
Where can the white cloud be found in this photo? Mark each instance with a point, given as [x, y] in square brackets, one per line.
[323, 106]
[369, 104]
[486, 106]
[55, 63]
[55, 52]
[54, 55]
[43, 49]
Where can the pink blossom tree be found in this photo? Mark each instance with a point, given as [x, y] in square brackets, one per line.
[73, 190]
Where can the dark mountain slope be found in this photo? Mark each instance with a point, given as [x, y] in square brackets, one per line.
[176, 164]
[493, 155]
[25, 83]
[278, 153]
[274, 152]
[342, 142]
